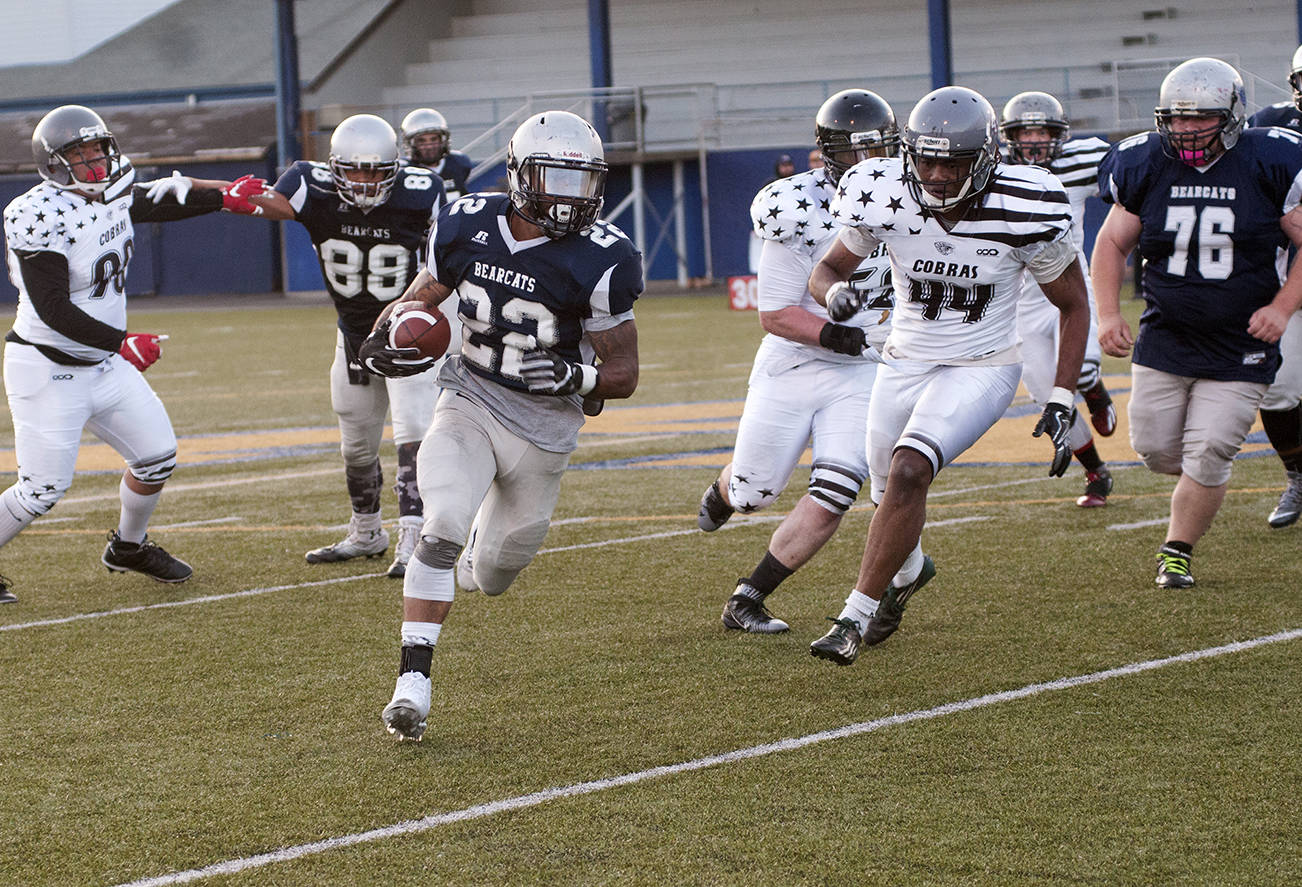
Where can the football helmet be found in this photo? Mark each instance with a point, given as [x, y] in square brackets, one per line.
[1038, 110]
[952, 123]
[556, 172]
[70, 127]
[1294, 80]
[422, 122]
[1201, 87]
[365, 145]
[853, 125]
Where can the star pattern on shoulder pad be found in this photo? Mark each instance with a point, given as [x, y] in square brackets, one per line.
[895, 204]
[803, 204]
[877, 173]
[774, 211]
[865, 198]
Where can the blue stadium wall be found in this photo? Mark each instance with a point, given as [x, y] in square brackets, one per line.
[212, 254]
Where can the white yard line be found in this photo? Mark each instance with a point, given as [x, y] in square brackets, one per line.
[173, 489]
[534, 799]
[1143, 523]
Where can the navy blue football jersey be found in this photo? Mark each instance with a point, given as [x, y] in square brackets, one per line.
[509, 291]
[367, 258]
[1278, 114]
[1212, 248]
[454, 170]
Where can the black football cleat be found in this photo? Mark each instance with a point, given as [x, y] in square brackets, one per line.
[7, 595]
[841, 644]
[891, 609]
[1173, 568]
[714, 512]
[147, 557]
[1098, 484]
[743, 613]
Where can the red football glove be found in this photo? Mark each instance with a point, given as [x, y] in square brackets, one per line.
[235, 196]
[141, 350]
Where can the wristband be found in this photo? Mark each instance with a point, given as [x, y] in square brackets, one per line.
[1061, 396]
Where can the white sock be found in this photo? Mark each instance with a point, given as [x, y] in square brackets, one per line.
[137, 509]
[911, 569]
[366, 523]
[426, 633]
[860, 608]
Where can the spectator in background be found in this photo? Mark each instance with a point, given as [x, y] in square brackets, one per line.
[784, 167]
[1209, 205]
[815, 158]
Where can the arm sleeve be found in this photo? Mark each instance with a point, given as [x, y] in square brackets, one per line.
[45, 277]
[199, 202]
[783, 277]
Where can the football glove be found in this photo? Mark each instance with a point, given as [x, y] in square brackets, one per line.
[546, 372]
[1056, 422]
[842, 339]
[843, 301]
[235, 196]
[175, 184]
[378, 358]
[141, 350]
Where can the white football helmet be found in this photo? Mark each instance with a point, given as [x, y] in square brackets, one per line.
[1294, 80]
[556, 172]
[366, 145]
[1201, 87]
[425, 122]
[951, 123]
[69, 127]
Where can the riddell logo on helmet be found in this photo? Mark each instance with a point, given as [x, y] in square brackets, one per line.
[87, 132]
[933, 143]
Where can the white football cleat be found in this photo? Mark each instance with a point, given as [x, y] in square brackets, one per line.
[358, 543]
[405, 715]
[466, 564]
[408, 536]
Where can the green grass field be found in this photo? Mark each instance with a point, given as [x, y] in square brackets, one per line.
[138, 740]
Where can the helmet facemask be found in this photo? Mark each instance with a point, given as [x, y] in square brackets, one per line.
[559, 195]
[365, 195]
[1034, 151]
[93, 175]
[427, 147]
[1197, 147]
[1206, 88]
[841, 151]
[965, 187]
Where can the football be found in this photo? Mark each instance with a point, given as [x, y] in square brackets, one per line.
[425, 329]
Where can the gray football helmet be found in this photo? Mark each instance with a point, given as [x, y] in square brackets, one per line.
[1201, 87]
[853, 125]
[952, 123]
[556, 172]
[1294, 80]
[1028, 110]
[69, 127]
[368, 145]
[421, 122]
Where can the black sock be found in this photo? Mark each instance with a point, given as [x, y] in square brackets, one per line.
[1182, 547]
[416, 657]
[1284, 431]
[769, 574]
[1089, 458]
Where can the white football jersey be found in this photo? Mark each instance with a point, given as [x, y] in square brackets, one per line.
[95, 237]
[956, 291]
[1077, 167]
[796, 212]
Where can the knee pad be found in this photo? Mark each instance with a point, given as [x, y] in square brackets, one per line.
[1210, 466]
[1162, 463]
[35, 496]
[747, 495]
[438, 553]
[154, 471]
[834, 486]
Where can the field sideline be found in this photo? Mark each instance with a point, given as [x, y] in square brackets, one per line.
[1045, 714]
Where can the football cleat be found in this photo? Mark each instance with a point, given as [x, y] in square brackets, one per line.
[1103, 415]
[841, 644]
[714, 512]
[6, 591]
[744, 613]
[466, 564]
[408, 536]
[406, 714]
[146, 557]
[1173, 568]
[1098, 484]
[1290, 503]
[891, 609]
[358, 543]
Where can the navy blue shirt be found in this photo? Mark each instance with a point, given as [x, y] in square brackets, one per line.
[367, 258]
[1212, 248]
[510, 290]
[1278, 114]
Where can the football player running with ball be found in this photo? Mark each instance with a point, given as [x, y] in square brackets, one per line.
[961, 229]
[1212, 207]
[544, 289]
[1035, 130]
[812, 376]
[367, 219]
[70, 363]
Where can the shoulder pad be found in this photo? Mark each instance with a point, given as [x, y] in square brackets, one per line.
[782, 210]
[31, 224]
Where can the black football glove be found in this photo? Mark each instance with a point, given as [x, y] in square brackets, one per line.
[378, 358]
[546, 372]
[1056, 422]
[843, 301]
[842, 339]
